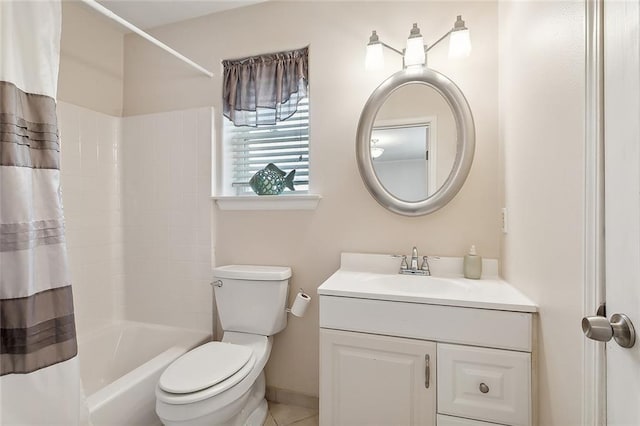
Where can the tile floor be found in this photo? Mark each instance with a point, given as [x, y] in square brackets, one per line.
[286, 415]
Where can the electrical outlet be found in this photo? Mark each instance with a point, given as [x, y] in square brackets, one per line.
[504, 220]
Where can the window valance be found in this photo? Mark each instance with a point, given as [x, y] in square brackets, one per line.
[261, 90]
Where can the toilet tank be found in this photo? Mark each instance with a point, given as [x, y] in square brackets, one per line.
[252, 299]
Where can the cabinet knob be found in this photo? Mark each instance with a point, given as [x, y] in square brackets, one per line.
[484, 388]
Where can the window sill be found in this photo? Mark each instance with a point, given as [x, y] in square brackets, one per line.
[267, 202]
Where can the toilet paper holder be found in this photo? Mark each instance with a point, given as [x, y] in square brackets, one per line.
[300, 304]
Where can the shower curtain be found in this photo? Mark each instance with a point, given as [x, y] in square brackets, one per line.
[39, 374]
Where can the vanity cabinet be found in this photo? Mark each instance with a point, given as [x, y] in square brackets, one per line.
[369, 379]
[398, 350]
[376, 380]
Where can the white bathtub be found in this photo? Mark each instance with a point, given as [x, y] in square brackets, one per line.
[120, 365]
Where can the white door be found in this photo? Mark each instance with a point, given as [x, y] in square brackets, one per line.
[622, 201]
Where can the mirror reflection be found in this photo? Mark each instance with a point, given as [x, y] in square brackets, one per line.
[413, 142]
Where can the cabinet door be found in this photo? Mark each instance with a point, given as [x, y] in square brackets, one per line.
[371, 380]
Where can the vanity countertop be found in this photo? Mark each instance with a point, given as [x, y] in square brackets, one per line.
[375, 276]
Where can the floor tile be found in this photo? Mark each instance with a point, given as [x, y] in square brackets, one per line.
[270, 421]
[310, 421]
[285, 415]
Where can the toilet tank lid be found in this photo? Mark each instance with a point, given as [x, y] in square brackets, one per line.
[253, 272]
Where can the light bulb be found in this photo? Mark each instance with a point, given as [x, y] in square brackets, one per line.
[459, 44]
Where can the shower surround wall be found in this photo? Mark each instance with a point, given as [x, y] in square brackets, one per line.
[167, 224]
[136, 202]
[90, 179]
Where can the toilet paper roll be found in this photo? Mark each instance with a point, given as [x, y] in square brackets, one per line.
[301, 304]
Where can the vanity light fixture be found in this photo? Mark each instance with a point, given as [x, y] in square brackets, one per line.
[415, 53]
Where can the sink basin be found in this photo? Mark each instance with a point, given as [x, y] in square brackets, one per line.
[402, 284]
[374, 276]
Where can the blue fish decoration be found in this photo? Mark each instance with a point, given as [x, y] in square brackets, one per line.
[271, 180]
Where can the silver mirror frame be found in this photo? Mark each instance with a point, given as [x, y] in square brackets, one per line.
[465, 143]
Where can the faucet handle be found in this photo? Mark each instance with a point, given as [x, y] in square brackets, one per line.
[404, 265]
[425, 263]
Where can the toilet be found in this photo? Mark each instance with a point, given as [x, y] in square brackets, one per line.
[222, 383]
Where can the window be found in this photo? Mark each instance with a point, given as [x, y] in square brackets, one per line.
[285, 144]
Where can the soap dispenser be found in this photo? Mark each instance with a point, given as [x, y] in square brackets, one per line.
[472, 264]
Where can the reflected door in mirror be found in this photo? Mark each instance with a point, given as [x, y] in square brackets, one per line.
[413, 142]
[403, 163]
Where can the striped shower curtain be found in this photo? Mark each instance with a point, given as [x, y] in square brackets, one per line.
[39, 374]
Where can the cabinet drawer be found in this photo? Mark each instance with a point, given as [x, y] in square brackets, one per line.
[459, 421]
[437, 323]
[485, 384]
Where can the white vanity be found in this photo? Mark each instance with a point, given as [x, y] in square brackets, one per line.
[424, 350]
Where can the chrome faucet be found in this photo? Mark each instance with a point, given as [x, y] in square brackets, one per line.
[414, 259]
[412, 268]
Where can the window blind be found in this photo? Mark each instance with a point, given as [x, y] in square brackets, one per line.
[285, 144]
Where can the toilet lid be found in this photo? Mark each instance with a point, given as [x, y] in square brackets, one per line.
[204, 366]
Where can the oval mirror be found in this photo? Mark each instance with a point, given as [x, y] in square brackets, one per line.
[415, 142]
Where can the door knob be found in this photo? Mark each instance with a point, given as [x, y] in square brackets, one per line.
[601, 329]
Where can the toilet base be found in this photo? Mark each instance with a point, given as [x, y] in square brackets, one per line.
[259, 415]
[255, 411]
[248, 410]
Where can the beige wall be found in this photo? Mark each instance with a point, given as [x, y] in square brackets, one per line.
[91, 60]
[542, 141]
[347, 218]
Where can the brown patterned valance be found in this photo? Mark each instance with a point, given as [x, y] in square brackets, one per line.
[261, 90]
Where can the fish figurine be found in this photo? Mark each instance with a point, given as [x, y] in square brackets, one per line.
[271, 180]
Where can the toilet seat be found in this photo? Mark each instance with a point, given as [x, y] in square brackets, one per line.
[205, 366]
[259, 348]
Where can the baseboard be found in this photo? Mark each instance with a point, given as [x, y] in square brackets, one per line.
[285, 396]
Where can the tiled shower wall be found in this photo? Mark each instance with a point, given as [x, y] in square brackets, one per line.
[167, 223]
[90, 179]
[136, 194]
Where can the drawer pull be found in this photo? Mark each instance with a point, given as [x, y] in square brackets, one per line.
[427, 371]
[484, 388]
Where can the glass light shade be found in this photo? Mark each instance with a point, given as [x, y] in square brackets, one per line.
[414, 54]
[376, 152]
[459, 44]
[375, 58]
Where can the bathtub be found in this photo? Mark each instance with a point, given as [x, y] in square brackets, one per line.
[120, 365]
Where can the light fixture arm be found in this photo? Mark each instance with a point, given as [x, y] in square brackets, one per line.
[399, 52]
[426, 47]
[431, 46]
